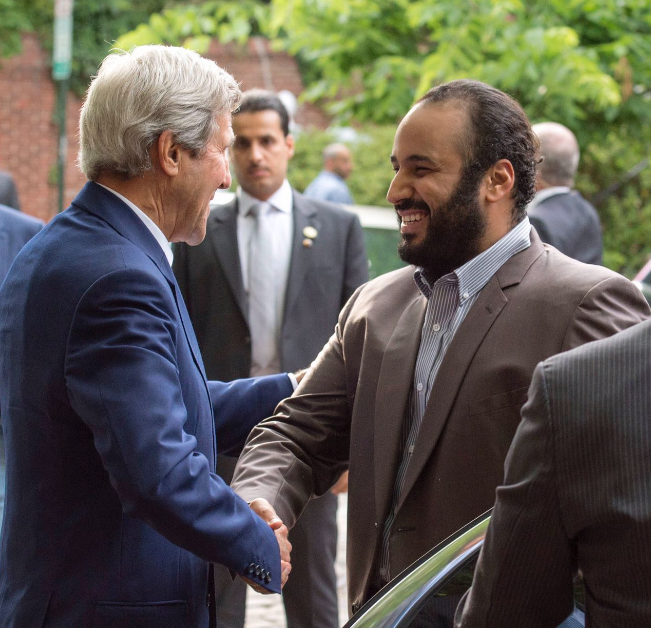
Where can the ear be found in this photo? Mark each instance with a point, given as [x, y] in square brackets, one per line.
[168, 153]
[289, 141]
[499, 181]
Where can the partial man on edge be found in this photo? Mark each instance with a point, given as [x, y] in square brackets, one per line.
[576, 496]
[330, 183]
[561, 216]
[264, 291]
[419, 390]
[16, 229]
[113, 512]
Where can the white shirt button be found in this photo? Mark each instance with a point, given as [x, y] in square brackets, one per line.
[437, 327]
[419, 387]
[465, 295]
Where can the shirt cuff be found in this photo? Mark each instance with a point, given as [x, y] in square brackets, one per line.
[293, 380]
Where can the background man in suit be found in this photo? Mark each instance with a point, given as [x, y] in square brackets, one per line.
[264, 293]
[420, 389]
[330, 183]
[561, 216]
[15, 231]
[576, 495]
[113, 510]
[8, 192]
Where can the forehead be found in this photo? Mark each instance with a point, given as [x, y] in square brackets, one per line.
[257, 123]
[432, 130]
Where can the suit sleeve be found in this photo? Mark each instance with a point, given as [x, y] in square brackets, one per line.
[356, 272]
[610, 306]
[525, 569]
[123, 381]
[240, 405]
[303, 449]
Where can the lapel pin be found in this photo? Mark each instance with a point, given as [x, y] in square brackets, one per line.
[310, 232]
[307, 243]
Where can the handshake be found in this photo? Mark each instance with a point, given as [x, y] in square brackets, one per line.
[265, 510]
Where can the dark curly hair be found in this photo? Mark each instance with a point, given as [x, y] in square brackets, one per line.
[499, 129]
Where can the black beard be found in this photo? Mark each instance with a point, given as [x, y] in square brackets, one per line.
[453, 232]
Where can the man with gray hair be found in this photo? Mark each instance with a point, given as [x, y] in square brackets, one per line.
[113, 512]
[330, 183]
[561, 216]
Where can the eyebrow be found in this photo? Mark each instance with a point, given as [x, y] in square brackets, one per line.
[415, 158]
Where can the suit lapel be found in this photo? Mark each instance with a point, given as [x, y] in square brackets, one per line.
[304, 215]
[394, 383]
[105, 205]
[459, 355]
[222, 231]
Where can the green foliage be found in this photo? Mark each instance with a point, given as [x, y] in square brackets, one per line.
[626, 215]
[193, 26]
[96, 25]
[13, 22]
[369, 180]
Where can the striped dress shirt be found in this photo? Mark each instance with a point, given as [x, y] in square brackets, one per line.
[449, 300]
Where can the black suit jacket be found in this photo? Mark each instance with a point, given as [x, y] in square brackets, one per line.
[321, 279]
[568, 222]
[577, 493]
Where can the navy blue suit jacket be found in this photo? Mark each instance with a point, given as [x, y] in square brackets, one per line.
[112, 508]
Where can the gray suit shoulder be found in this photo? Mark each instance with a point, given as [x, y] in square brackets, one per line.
[326, 207]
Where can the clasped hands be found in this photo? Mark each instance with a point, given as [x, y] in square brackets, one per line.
[266, 512]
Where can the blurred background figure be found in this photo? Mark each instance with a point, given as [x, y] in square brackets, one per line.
[330, 183]
[15, 231]
[561, 216]
[264, 291]
[8, 192]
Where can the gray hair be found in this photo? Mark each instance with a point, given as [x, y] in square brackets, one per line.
[560, 152]
[333, 150]
[139, 94]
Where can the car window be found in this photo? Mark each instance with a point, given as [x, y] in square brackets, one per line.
[437, 610]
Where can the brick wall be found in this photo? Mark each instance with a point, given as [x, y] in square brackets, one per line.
[29, 134]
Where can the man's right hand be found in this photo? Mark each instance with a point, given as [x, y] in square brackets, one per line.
[266, 512]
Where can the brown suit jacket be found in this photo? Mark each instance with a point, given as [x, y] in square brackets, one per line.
[350, 407]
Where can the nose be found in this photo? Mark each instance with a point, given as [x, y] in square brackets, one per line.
[226, 183]
[255, 152]
[398, 189]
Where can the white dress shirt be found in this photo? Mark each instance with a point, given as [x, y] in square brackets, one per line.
[279, 213]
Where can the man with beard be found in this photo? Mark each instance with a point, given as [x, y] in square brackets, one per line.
[419, 390]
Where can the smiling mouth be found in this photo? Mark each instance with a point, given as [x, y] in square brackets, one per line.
[412, 217]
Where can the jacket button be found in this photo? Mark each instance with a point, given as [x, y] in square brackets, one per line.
[251, 568]
[257, 570]
[355, 607]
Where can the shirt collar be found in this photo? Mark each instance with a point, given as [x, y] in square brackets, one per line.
[149, 223]
[475, 274]
[546, 193]
[281, 199]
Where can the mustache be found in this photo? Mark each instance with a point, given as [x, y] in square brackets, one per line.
[411, 203]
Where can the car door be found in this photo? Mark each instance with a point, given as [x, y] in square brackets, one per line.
[427, 593]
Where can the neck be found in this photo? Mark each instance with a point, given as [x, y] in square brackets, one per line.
[143, 194]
